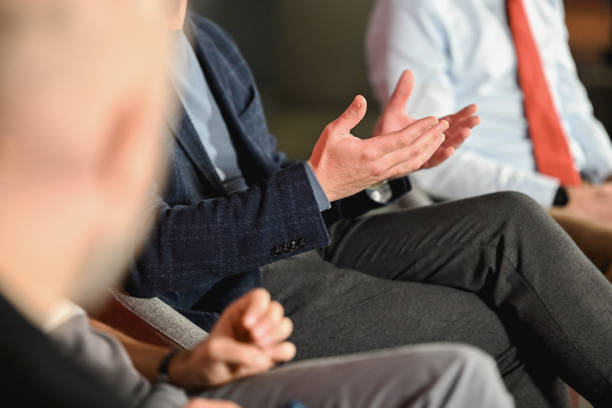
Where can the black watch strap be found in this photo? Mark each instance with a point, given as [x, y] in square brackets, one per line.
[164, 365]
[561, 198]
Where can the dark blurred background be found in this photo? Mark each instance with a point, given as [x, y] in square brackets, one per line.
[308, 59]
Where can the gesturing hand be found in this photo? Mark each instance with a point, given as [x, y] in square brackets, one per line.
[395, 118]
[345, 164]
[248, 339]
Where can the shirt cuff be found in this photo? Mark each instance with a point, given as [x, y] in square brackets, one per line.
[542, 188]
[319, 194]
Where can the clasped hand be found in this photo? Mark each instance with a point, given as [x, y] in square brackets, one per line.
[249, 338]
[345, 164]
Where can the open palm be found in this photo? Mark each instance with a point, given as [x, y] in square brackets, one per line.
[395, 117]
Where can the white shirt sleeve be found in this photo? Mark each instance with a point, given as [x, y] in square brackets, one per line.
[409, 35]
[577, 111]
[412, 35]
[467, 174]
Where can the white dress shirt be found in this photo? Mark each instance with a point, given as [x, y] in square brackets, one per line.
[461, 52]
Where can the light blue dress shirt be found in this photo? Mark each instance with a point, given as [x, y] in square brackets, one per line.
[462, 52]
[193, 90]
[198, 101]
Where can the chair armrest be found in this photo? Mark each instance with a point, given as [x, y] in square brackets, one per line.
[151, 321]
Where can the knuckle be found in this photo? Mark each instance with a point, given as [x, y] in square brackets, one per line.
[418, 151]
[329, 129]
[291, 351]
[368, 155]
[288, 325]
[431, 121]
[261, 294]
[277, 309]
[407, 167]
[215, 346]
[403, 140]
[377, 169]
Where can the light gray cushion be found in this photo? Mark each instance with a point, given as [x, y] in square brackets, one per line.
[164, 319]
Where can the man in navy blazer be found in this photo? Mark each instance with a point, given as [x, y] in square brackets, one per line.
[494, 271]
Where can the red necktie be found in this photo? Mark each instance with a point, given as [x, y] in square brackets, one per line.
[550, 145]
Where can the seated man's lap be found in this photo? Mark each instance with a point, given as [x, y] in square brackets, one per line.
[341, 311]
[440, 374]
[414, 244]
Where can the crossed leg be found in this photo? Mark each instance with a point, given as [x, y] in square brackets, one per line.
[508, 251]
[436, 376]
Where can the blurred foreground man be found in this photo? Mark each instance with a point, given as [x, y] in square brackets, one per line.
[495, 272]
[538, 134]
[75, 104]
[79, 149]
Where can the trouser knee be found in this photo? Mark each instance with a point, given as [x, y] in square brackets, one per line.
[511, 202]
[518, 211]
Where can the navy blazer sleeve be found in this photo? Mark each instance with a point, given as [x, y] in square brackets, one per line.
[216, 238]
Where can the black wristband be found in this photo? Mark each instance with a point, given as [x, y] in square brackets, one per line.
[561, 198]
[164, 365]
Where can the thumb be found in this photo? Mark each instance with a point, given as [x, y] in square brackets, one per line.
[250, 307]
[402, 92]
[351, 116]
[243, 314]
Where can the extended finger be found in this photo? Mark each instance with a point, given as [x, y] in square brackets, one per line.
[467, 122]
[282, 352]
[468, 111]
[457, 138]
[228, 351]
[417, 163]
[441, 155]
[278, 332]
[262, 331]
[402, 92]
[422, 143]
[391, 142]
[412, 157]
[351, 116]
[458, 133]
[252, 306]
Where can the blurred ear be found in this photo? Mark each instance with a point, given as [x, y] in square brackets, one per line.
[176, 12]
[130, 159]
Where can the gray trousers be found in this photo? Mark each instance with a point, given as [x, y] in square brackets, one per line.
[495, 272]
[433, 376]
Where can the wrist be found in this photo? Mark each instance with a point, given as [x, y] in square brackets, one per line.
[321, 180]
[163, 368]
[176, 368]
[317, 189]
